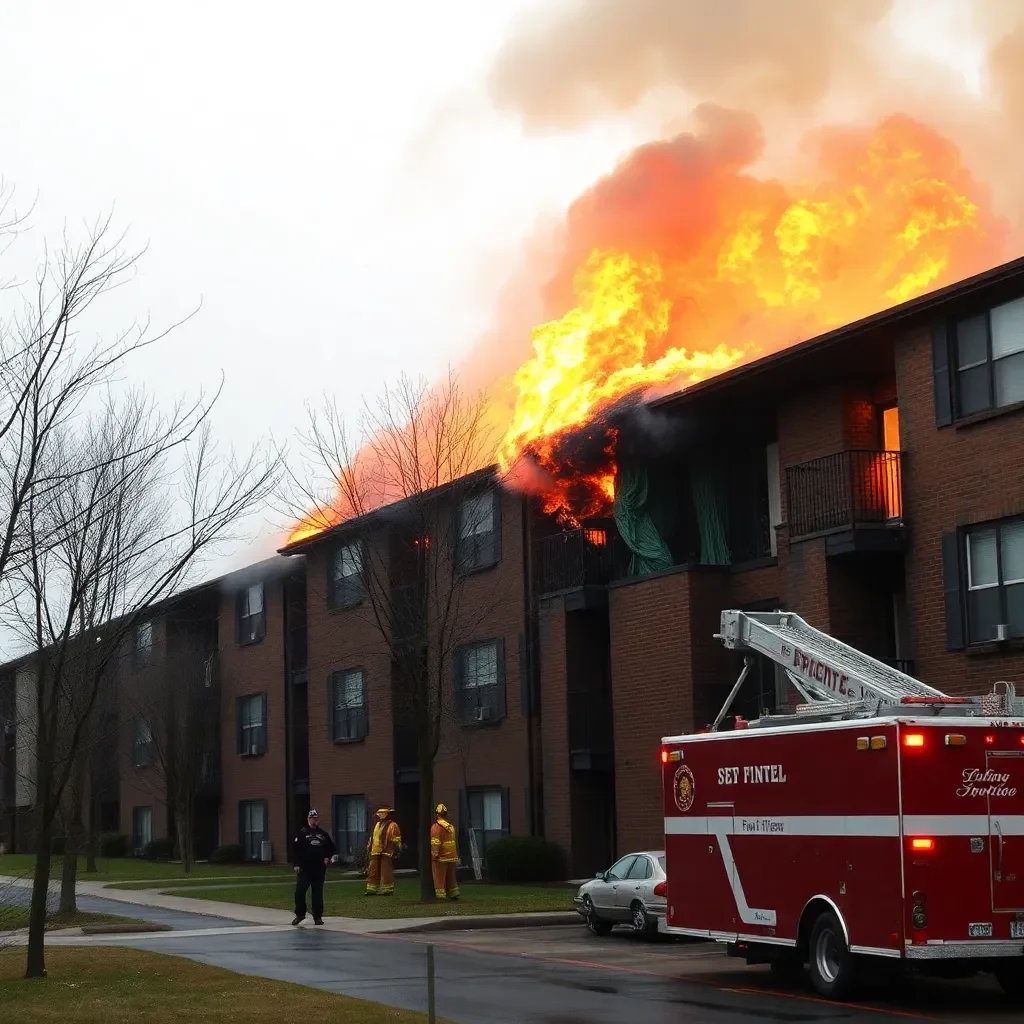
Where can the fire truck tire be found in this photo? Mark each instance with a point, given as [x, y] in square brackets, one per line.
[642, 923]
[596, 924]
[832, 966]
[1010, 976]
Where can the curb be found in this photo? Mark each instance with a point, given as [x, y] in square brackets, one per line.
[142, 928]
[467, 922]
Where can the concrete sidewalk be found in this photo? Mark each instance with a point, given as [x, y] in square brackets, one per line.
[267, 917]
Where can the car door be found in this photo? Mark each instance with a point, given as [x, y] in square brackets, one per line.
[636, 884]
[606, 892]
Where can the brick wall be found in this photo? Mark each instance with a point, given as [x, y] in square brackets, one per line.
[953, 476]
[247, 669]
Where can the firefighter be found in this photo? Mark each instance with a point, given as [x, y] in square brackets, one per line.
[444, 855]
[312, 851]
[384, 844]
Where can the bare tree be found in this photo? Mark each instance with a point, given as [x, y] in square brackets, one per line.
[111, 505]
[396, 482]
[179, 699]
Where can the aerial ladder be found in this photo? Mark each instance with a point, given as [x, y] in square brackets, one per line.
[837, 681]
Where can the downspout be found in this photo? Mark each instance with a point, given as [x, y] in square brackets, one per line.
[528, 665]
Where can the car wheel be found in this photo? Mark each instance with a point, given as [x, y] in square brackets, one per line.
[596, 924]
[1010, 976]
[833, 969]
[642, 923]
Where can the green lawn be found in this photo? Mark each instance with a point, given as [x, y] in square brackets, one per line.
[127, 986]
[13, 918]
[124, 869]
[347, 899]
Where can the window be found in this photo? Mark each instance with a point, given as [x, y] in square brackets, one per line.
[142, 829]
[346, 585]
[487, 809]
[347, 705]
[252, 618]
[350, 827]
[252, 725]
[143, 642]
[478, 544]
[989, 359]
[252, 827]
[480, 681]
[995, 580]
[640, 869]
[620, 869]
[142, 743]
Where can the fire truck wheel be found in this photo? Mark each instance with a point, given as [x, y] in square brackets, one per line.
[642, 923]
[596, 924]
[832, 964]
[1010, 976]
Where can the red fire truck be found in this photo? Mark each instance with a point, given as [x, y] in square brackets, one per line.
[878, 826]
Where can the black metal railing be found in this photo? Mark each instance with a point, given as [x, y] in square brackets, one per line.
[847, 489]
[590, 723]
[589, 556]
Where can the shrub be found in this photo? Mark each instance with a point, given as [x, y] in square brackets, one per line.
[113, 844]
[230, 853]
[159, 849]
[525, 859]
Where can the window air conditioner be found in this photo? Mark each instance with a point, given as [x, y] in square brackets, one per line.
[482, 715]
[1002, 631]
[253, 750]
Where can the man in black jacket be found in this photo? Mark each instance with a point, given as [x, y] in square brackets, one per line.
[312, 851]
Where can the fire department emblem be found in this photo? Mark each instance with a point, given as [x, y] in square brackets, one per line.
[683, 788]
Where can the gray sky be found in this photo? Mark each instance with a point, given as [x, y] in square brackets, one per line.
[329, 179]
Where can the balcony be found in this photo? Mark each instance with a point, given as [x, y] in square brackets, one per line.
[591, 556]
[853, 498]
[590, 731]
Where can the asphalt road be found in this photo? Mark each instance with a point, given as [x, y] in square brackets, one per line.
[551, 981]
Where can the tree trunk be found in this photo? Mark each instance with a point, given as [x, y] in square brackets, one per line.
[184, 826]
[426, 819]
[91, 837]
[35, 966]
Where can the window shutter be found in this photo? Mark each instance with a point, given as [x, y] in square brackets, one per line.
[941, 370]
[263, 727]
[502, 699]
[459, 549]
[496, 541]
[329, 581]
[364, 711]
[238, 718]
[505, 799]
[952, 590]
[329, 701]
[241, 824]
[525, 678]
[459, 682]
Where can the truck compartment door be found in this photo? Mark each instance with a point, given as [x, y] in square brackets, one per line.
[1006, 830]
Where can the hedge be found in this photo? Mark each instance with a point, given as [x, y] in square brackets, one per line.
[525, 859]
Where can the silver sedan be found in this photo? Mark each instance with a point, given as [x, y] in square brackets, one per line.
[631, 891]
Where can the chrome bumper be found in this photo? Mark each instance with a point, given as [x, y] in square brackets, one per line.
[983, 949]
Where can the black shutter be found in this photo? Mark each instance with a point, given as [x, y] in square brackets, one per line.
[525, 678]
[952, 590]
[941, 370]
[505, 815]
[459, 682]
[329, 581]
[330, 706]
[241, 826]
[502, 702]
[239, 610]
[263, 727]
[496, 542]
[238, 718]
[459, 548]
[364, 711]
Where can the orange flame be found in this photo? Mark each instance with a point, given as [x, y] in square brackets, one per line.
[682, 265]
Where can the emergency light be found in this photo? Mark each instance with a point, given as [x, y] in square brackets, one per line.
[913, 739]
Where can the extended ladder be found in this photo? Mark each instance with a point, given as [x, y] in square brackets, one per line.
[837, 680]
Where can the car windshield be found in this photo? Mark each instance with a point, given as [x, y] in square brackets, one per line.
[661, 863]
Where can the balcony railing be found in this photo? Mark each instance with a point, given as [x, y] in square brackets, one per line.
[841, 491]
[590, 556]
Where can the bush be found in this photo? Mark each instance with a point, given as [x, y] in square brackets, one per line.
[525, 859]
[231, 853]
[113, 844]
[159, 849]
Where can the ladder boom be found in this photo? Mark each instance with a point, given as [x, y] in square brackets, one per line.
[821, 668]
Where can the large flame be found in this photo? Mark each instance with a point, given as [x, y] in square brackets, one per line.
[681, 264]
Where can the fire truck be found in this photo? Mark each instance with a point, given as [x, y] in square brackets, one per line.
[877, 826]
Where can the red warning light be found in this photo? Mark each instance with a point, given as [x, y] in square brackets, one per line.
[664, 757]
[922, 844]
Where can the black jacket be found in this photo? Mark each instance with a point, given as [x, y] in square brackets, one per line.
[310, 847]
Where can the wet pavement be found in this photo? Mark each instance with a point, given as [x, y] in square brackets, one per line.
[568, 979]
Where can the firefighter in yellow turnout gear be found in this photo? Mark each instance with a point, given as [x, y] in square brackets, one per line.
[384, 844]
[444, 855]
